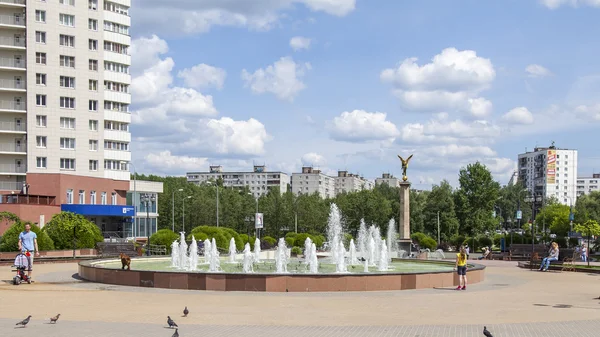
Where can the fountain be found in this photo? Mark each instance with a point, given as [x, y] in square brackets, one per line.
[392, 240]
[248, 259]
[232, 250]
[353, 257]
[207, 251]
[377, 239]
[340, 265]
[362, 239]
[281, 257]
[383, 258]
[183, 252]
[366, 270]
[175, 254]
[313, 264]
[257, 250]
[307, 250]
[215, 262]
[334, 231]
[193, 263]
[371, 250]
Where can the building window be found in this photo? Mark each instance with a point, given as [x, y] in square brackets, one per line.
[40, 79]
[93, 65]
[67, 2]
[67, 82]
[67, 102]
[67, 123]
[93, 24]
[40, 142]
[118, 87]
[116, 28]
[116, 106]
[93, 105]
[40, 58]
[93, 85]
[93, 165]
[116, 67]
[40, 100]
[93, 5]
[40, 16]
[92, 196]
[81, 197]
[115, 165]
[67, 40]
[40, 37]
[93, 44]
[118, 146]
[116, 47]
[93, 145]
[67, 143]
[69, 195]
[66, 20]
[103, 198]
[41, 162]
[67, 164]
[113, 198]
[116, 126]
[41, 121]
[93, 125]
[67, 61]
[116, 8]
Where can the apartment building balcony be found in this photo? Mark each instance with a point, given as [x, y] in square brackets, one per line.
[13, 127]
[13, 106]
[12, 169]
[12, 63]
[12, 21]
[12, 85]
[12, 43]
[13, 148]
[12, 3]
[10, 186]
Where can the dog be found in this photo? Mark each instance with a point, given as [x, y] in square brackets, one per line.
[125, 261]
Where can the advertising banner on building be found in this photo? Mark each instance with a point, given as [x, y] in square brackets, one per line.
[551, 167]
[258, 222]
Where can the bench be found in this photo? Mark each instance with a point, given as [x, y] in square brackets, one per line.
[113, 249]
[523, 251]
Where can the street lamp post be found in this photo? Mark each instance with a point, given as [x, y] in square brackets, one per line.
[534, 198]
[148, 199]
[570, 220]
[217, 187]
[173, 208]
[256, 212]
[183, 222]
[135, 203]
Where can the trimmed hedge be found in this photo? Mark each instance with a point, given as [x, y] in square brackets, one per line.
[164, 237]
[10, 239]
[221, 235]
[424, 241]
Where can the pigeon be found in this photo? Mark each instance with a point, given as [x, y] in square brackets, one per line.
[54, 319]
[185, 312]
[171, 322]
[24, 322]
[176, 333]
[486, 333]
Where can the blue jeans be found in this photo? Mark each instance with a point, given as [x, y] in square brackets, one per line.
[546, 262]
[584, 258]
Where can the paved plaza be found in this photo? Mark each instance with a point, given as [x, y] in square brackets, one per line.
[510, 302]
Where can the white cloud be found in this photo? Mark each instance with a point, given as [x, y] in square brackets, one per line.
[165, 162]
[193, 17]
[480, 107]
[536, 70]
[520, 115]
[203, 76]
[360, 125]
[313, 159]
[590, 112]
[455, 150]
[554, 4]
[283, 79]
[450, 81]
[299, 43]
[438, 131]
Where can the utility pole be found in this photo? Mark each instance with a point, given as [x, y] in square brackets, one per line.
[438, 218]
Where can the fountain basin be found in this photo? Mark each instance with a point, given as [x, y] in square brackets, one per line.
[407, 274]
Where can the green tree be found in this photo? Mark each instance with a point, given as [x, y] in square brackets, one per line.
[512, 197]
[587, 207]
[556, 216]
[10, 239]
[589, 228]
[418, 206]
[63, 225]
[478, 195]
[441, 200]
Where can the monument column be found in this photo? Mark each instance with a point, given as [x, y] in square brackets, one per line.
[404, 223]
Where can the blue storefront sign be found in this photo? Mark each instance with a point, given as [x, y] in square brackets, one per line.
[99, 210]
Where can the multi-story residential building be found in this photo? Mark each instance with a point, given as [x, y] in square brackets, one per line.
[259, 181]
[586, 185]
[388, 179]
[311, 181]
[550, 172]
[64, 102]
[514, 178]
[347, 182]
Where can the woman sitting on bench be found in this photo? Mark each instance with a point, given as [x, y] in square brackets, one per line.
[486, 253]
[552, 256]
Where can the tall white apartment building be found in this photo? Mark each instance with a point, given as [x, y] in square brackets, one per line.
[587, 185]
[311, 181]
[550, 172]
[347, 183]
[259, 181]
[388, 179]
[64, 100]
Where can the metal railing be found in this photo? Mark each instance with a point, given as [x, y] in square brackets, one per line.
[12, 62]
[12, 147]
[12, 84]
[11, 41]
[12, 105]
[12, 126]
[12, 168]
[12, 20]
[9, 186]
[16, 2]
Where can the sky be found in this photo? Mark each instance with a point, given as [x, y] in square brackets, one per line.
[351, 84]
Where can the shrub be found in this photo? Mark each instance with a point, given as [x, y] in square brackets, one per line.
[10, 239]
[296, 250]
[484, 241]
[291, 235]
[301, 238]
[60, 229]
[164, 237]
[221, 235]
[290, 241]
[318, 240]
[347, 237]
[268, 242]
[424, 241]
[456, 241]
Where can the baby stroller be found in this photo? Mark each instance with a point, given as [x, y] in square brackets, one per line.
[22, 263]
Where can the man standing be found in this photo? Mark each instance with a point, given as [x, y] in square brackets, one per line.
[28, 242]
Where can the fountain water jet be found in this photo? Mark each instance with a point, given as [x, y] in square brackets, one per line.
[207, 251]
[183, 252]
[314, 261]
[362, 238]
[377, 239]
[391, 239]
[257, 250]
[248, 259]
[334, 231]
[340, 265]
[353, 257]
[232, 250]
[307, 250]
[383, 260]
[175, 254]
[371, 251]
[281, 257]
[214, 263]
[193, 264]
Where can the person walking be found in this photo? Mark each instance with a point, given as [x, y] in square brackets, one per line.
[461, 268]
[584, 253]
[552, 256]
[28, 243]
